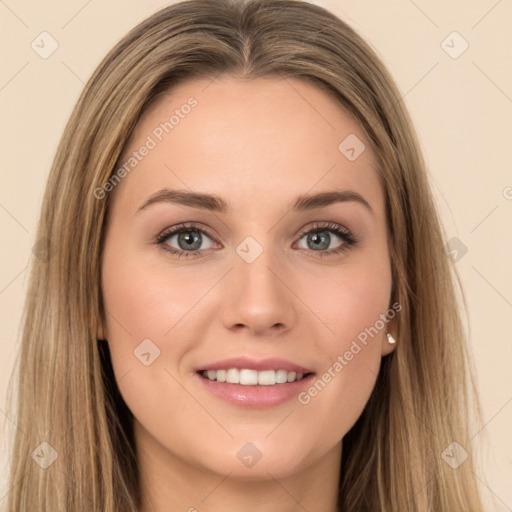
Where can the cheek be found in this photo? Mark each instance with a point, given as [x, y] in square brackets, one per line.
[351, 304]
[147, 300]
[150, 312]
[353, 307]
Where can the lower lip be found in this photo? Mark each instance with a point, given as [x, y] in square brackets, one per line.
[257, 397]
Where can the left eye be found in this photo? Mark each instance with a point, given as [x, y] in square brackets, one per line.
[320, 240]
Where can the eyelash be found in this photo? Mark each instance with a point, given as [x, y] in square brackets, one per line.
[348, 239]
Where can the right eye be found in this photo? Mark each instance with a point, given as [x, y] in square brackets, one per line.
[188, 238]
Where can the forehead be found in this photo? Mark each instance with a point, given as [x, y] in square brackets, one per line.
[254, 142]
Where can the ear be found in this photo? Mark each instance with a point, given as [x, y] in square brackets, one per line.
[387, 347]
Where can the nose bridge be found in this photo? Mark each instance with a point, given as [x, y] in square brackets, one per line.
[256, 295]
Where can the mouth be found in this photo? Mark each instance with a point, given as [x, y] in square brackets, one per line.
[247, 382]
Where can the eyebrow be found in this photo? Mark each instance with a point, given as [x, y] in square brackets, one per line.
[215, 203]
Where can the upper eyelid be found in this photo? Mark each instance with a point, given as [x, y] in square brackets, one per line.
[327, 225]
[171, 231]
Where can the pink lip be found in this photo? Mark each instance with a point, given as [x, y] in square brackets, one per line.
[256, 397]
[255, 364]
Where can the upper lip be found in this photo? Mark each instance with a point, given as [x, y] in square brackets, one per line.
[245, 362]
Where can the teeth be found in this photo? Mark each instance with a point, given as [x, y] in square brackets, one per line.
[248, 377]
[233, 376]
[281, 376]
[252, 377]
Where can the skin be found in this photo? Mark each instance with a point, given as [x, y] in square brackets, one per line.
[258, 144]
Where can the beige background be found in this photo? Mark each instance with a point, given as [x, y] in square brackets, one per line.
[462, 109]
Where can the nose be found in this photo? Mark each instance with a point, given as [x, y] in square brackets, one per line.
[258, 298]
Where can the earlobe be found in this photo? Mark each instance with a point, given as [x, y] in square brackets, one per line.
[389, 344]
[391, 339]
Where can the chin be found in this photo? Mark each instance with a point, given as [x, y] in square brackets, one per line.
[256, 461]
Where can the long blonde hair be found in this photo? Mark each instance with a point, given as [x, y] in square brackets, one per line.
[67, 394]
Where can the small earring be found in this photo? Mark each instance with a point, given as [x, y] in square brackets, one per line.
[391, 340]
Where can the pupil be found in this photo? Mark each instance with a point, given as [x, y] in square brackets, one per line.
[316, 237]
[189, 238]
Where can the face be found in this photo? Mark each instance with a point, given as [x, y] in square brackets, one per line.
[215, 259]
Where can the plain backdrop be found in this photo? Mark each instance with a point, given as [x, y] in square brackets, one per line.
[451, 62]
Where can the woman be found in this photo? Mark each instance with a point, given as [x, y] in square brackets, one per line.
[244, 301]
